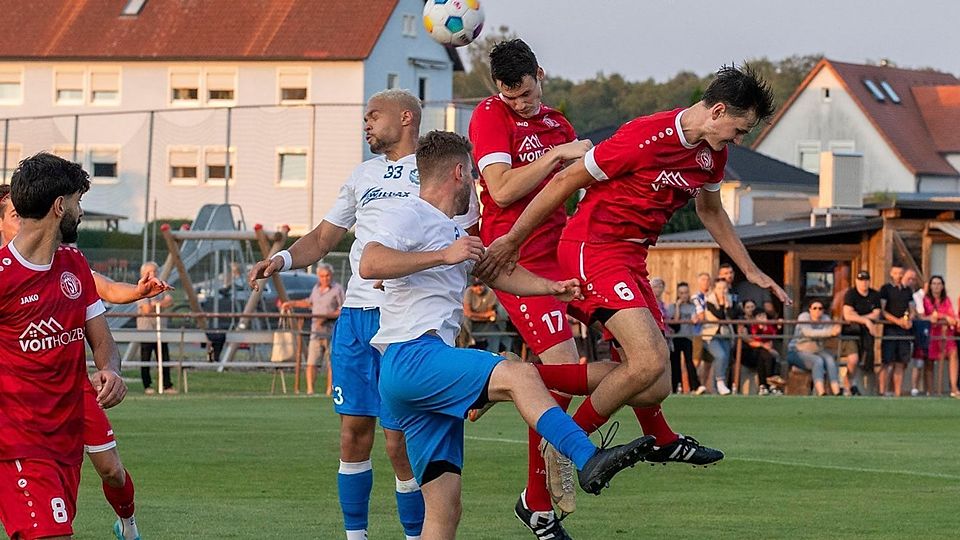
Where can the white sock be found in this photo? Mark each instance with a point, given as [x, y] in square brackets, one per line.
[412, 537]
[128, 526]
[357, 535]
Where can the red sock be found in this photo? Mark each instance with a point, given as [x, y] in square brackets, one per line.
[121, 499]
[588, 418]
[653, 423]
[537, 497]
[566, 378]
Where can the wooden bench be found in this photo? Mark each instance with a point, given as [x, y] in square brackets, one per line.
[799, 382]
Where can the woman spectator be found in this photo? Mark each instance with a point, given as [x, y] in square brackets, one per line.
[716, 335]
[938, 309]
[806, 349]
[757, 352]
[683, 310]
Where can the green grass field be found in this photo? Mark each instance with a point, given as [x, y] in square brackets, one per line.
[230, 461]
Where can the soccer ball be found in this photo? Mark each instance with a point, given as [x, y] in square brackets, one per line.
[453, 22]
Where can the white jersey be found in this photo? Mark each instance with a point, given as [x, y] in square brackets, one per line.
[428, 300]
[376, 180]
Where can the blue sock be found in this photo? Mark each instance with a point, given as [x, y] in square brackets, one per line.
[354, 483]
[410, 506]
[566, 436]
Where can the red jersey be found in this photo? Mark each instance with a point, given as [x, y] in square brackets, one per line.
[646, 171]
[501, 136]
[43, 314]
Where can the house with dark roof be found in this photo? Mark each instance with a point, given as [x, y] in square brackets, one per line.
[902, 121]
[288, 77]
[755, 187]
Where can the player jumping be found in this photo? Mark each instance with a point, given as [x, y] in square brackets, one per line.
[634, 183]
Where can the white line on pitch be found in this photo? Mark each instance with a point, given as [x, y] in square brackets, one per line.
[779, 462]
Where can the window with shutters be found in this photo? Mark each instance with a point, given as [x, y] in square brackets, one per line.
[293, 85]
[221, 87]
[185, 87]
[104, 164]
[68, 86]
[184, 165]
[11, 158]
[215, 161]
[808, 156]
[104, 87]
[11, 85]
[292, 167]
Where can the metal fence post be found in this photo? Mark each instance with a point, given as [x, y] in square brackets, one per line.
[146, 198]
[76, 131]
[226, 173]
[6, 142]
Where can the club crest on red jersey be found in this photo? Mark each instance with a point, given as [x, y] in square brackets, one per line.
[70, 285]
[705, 159]
[550, 122]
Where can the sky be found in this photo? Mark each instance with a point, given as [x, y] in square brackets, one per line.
[639, 39]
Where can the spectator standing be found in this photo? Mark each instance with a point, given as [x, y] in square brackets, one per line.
[728, 274]
[148, 320]
[683, 310]
[717, 335]
[480, 315]
[921, 334]
[325, 300]
[940, 312]
[807, 352]
[861, 313]
[758, 352]
[898, 310]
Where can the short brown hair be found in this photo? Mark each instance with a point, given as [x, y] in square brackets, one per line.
[437, 150]
[4, 198]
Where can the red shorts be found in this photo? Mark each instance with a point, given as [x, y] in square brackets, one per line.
[613, 276]
[38, 498]
[97, 431]
[541, 321]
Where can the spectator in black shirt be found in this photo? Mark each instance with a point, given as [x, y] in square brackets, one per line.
[896, 304]
[861, 311]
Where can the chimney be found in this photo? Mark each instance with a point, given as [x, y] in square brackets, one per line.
[841, 180]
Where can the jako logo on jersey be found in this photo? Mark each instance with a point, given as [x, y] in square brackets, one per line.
[48, 334]
[705, 159]
[70, 285]
[530, 149]
[376, 193]
[550, 122]
[29, 299]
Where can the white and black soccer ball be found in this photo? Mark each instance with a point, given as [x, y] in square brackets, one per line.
[453, 22]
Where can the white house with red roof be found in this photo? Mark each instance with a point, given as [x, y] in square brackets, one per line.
[903, 121]
[293, 74]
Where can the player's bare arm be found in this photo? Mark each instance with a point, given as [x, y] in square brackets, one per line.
[715, 220]
[522, 282]
[309, 249]
[381, 262]
[508, 185]
[117, 292]
[110, 386]
[501, 256]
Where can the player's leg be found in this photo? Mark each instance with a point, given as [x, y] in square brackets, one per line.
[358, 409]
[441, 496]
[542, 324]
[101, 447]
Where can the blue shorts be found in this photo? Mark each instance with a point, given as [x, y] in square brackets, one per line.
[356, 366]
[429, 386]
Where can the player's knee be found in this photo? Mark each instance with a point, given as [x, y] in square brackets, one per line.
[396, 449]
[354, 439]
[112, 472]
[523, 376]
